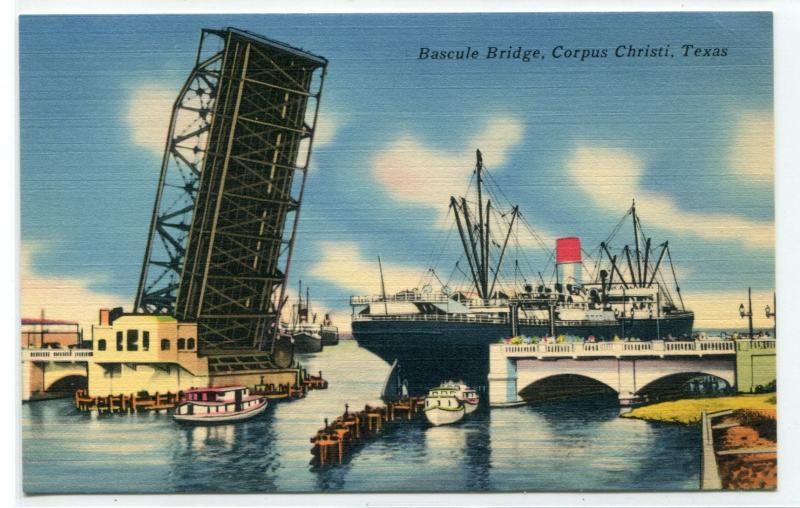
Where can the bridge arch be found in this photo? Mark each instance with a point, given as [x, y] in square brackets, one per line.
[67, 383]
[675, 383]
[63, 377]
[565, 385]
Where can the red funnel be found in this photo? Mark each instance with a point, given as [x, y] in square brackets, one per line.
[568, 250]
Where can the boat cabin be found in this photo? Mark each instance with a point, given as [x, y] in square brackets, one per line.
[442, 396]
[221, 394]
[470, 394]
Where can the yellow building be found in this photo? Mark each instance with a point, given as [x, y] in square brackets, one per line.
[157, 353]
[136, 352]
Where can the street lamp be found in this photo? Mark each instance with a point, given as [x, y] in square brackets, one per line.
[771, 314]
[749, 312]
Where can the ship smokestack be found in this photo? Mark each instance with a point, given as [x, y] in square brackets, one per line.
[568, 260]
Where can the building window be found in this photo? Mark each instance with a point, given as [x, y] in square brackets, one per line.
[133, 340]
[119, 341]
[164, 344]
[101, 345]
[190, 343]
[145, 341]
[181, 343]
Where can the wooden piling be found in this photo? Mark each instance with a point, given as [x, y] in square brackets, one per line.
[350, 429]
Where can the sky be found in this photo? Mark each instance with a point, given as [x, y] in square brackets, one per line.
[690, 138]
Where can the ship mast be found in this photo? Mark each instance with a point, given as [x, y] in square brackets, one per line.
[476, 237]
[636, 241]
[640, 273]
[478, 168]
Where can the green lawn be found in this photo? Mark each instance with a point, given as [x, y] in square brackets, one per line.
[687, 411]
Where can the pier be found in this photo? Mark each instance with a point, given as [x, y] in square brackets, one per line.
[142, 401]
[738, 450]
[120, 381]
[630, 369]
[132, 403]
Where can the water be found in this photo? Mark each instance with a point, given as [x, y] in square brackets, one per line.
[558, 446]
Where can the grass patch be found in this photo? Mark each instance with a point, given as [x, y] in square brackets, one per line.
[688, 411]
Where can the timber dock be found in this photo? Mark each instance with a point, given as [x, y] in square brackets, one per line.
[334, 441]
[129, 404]
[143, 402]
[291, 391]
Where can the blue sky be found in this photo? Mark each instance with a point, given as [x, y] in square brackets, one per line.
[690, 138]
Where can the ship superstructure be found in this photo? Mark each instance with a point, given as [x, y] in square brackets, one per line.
[618, 293]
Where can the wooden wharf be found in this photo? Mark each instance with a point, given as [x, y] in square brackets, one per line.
[298, 390]
[127, 404]
[337, 439]
[164, 402]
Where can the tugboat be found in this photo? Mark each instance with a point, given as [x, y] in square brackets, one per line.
[442, 406]
[629, 291]
[219, 405]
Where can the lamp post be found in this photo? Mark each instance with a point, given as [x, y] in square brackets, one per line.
[771, 314]
[749, 312]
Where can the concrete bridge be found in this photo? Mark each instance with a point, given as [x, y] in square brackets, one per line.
[631, 370]
[53, 372]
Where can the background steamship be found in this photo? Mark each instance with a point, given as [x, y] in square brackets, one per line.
[441, 334]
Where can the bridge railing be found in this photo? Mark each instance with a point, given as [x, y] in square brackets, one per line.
[404, 297]
[755, 344]
[655, 347]
[56, 355]
[454, 318]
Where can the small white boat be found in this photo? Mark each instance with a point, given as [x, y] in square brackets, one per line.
[442, 406]
[219, 405]
[468, 397]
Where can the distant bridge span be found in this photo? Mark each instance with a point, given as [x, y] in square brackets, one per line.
[45, 370]
[629, 369]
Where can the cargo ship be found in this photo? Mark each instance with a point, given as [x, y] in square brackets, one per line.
[432, 335]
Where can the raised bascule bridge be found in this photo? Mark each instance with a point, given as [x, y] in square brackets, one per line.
[229, 195]
[219, 249]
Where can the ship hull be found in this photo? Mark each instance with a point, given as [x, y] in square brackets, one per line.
[429, 351]
[305, 342]
[330, 337]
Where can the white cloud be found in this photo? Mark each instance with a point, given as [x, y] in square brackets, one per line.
[61, 297]
[752, 151]
[720, 309]
[149, 113]
[343, 264]
[328, 126]
[414, 172]
[611, 178]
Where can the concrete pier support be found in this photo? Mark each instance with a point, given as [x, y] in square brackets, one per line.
[32, 380]
[503, 380]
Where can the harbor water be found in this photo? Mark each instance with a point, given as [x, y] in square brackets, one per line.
[555, 446]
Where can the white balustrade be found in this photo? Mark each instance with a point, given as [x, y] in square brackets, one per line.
[633, 348]
[57, 355]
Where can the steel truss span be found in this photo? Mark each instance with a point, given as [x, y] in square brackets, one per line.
[229, 195]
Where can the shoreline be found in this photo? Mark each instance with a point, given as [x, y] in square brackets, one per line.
[689, 411]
